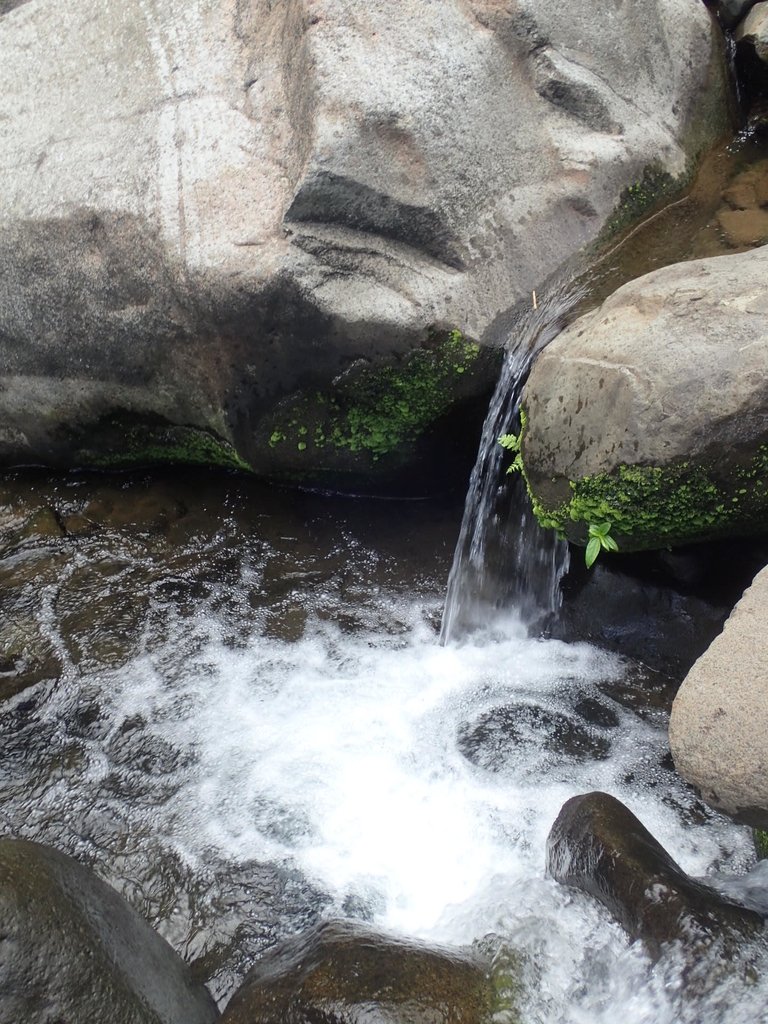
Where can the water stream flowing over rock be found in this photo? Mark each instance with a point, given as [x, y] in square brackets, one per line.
[503, 559]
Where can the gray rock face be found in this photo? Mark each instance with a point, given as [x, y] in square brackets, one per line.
[599, 846]
[719, 720]
[72, 950]
[652, 411]
[344, 973]
[214, 210]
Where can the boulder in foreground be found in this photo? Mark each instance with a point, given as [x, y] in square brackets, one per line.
[344, 973]
[599, 846]
[72, 950]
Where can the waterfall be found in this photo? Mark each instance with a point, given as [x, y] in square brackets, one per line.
[503, 559]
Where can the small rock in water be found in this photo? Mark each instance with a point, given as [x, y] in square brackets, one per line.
[344, 973]
[599, 846]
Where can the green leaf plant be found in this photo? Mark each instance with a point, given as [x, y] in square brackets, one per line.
[600, 539]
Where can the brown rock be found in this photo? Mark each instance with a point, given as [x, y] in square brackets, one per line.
[344, 973]
[599, 846]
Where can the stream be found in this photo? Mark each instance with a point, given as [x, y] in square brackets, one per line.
[240, 712]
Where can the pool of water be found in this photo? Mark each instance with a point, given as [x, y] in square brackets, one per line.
[244, 720]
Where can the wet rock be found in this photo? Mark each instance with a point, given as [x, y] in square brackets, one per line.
[719, 720]
[598, 846]
[650, 412]
[288, 208]
[753, 31]
[74, 951]
[595, 712]
[648, 620]
[344, 973]
[730, 12]
[497, 738]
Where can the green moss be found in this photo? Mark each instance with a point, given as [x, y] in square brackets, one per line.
[653, 506]
[138, 444]
[655, 188]
[761, 843]
[378, 410]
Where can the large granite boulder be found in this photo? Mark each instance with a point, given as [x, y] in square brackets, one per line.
[72, 950]
[651, 412]
[718, 730]
[269, 235]
[597, 845]
[345, 973]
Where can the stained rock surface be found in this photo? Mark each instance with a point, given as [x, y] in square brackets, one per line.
[249, 241]
[72, 950]
[719, 720]
[651, 412]
[344, 973]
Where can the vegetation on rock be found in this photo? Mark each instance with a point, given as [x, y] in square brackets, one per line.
[377, 410]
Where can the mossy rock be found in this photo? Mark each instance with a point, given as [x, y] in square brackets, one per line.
[345, 973]
[125, 441]
[649, 412]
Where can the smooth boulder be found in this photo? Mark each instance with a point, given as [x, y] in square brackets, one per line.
[718, 730]
[597, 845]
[345, 973]
[272, 235]
[72, 950]
[651, 412]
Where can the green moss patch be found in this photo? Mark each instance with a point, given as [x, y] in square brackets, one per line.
[378, 410]
[761, 843]
[126, 444]
[653, 506]
[643, 197]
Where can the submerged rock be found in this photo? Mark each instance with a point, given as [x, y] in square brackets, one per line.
[497, 739]
[74, 951]
[273, 235]
[719, 724]
[651, 412]
[344, 973]
[599, 846]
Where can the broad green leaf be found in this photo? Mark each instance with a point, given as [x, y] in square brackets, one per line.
[610, 544]
[593, 550]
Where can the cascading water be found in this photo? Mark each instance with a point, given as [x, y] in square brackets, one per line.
[503, 560]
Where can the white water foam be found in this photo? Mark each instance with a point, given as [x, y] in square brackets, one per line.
[342, 754]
